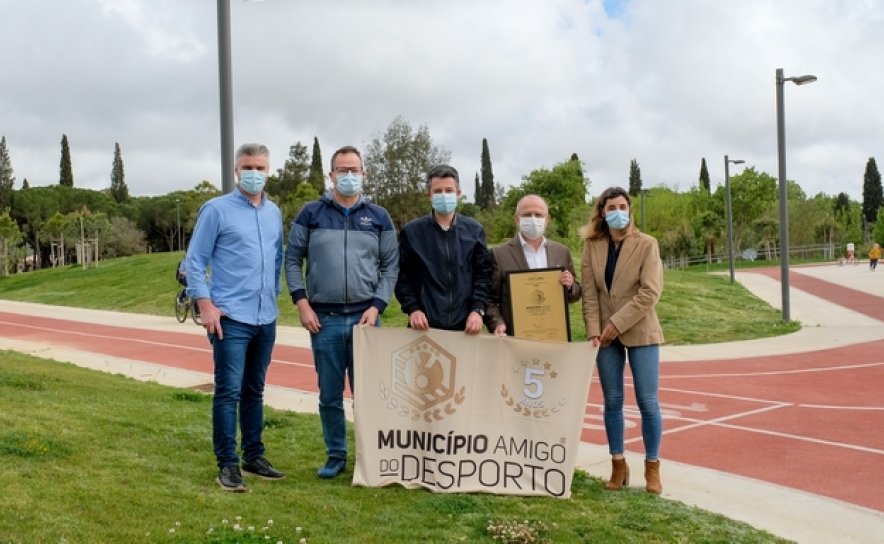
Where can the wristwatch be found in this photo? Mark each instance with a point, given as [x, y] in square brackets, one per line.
[480, 311]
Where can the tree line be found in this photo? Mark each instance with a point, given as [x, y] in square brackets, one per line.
[38, 223]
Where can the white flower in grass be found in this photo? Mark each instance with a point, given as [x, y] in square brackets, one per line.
[238, 518]
[224, 521]
[172, 530]
[269, 522]
[237, 527]
[177, 524]
[297, 529]
[251, 528]
[303, 541]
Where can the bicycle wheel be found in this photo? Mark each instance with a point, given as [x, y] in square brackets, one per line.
[194, 311]
[180, 310]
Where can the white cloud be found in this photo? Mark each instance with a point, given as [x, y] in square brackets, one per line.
[665, 83]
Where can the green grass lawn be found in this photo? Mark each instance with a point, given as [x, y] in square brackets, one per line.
[88, 457]
[92, 457]
[695, 308]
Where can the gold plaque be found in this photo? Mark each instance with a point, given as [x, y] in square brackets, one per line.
[538, 305]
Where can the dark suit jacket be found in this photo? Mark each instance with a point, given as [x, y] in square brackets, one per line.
[510, 256]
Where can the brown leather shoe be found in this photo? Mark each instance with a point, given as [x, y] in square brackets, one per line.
[619, 475]
[652, 477]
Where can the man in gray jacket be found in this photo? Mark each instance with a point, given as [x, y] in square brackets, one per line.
[352, 265]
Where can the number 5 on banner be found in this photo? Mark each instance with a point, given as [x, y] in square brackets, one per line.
[530, 380]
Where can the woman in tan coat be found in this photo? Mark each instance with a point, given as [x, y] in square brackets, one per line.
[622, 282]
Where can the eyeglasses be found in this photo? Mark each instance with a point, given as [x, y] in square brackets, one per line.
[343, 170]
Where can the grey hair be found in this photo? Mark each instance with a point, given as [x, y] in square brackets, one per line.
[442, 171]
[252, 150]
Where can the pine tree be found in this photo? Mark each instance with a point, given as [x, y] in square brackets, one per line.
[478, 199]
[66, 174]
[118, 188]
[316, 177]
[873, 194]
[25, 184]
[487, 178]
[704, 176]
[635, 178]
[7, 180]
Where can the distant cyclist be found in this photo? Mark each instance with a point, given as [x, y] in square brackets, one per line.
[181, 276]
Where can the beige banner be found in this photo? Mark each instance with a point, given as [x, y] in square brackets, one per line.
[456, 413]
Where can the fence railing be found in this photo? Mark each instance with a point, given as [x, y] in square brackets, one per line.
[822, 252]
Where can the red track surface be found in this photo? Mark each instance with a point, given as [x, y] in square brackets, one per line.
[811, 421]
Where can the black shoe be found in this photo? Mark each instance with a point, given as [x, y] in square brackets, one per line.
[261, 467]
[230, 479]
[332, 468]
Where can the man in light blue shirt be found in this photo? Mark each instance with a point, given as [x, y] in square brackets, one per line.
[240, 236]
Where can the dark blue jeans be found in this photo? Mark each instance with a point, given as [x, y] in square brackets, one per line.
[644, 361]
[333, 358]
[241, 361]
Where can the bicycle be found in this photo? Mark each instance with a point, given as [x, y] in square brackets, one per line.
[184, 305]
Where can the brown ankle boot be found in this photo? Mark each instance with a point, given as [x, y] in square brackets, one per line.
[619, 475]
[652, 477]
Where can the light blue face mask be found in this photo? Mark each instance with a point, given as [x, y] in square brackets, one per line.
[252, 181]
[617, 219]
[444, 203]
[349, 184]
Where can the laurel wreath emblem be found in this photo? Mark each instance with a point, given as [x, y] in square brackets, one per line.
[430, 415]
[528, 412]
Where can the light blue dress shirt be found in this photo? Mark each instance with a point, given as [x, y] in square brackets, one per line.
[243, 245]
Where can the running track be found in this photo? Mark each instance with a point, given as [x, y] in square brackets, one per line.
[811, 421]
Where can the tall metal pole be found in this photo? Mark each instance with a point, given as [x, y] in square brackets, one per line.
[178, 219]
[225, 85]
[730, 217]
[784, 202]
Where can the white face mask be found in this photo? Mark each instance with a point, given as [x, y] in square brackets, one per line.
[532, 227]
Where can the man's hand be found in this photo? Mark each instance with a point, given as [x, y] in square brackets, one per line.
[369, 317]
[595, 341]
[474, 323]
[500, 330]
[210, 316]
[308, 317]
[418, 321]
[567, 279]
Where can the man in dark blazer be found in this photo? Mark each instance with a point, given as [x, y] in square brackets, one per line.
[527, 250]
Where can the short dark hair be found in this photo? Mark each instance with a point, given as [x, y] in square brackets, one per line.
[442, 171]
[345, 149]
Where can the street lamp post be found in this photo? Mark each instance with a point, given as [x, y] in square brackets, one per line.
[729, 213]
[178, 220]
[784, 203]
[225, 86]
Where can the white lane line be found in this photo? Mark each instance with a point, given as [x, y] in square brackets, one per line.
[773, 372]
[137, 340]
[778, 434]
[830, 407]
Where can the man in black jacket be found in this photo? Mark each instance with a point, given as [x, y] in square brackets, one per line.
[444, 263]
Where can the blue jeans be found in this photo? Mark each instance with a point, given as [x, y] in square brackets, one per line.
[644, 361]
[333, 359]
[241, 361]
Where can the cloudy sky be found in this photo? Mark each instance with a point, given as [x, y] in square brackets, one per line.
[663, 82]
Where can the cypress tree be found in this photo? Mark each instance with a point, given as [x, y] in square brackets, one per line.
[873, 195]
[66, 174]
[487, 178]
[7, 180]
[316, 177]
[25, 184]
[635, 178]
[704, 176]
[575, 158]
[119, 190]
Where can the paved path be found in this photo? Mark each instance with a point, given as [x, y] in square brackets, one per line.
[784, 433]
